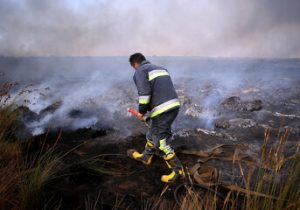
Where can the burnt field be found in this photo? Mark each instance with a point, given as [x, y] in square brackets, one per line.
[239, 121]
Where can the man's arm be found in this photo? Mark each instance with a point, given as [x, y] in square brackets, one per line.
[144, 90]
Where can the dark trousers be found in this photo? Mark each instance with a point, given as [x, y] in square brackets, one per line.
[160, 133]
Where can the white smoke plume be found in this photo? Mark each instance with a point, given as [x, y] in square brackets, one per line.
[233, 28]
[96, 91]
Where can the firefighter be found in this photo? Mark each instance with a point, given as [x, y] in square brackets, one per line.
[158, 96]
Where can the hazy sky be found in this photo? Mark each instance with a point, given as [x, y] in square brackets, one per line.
[227, 28]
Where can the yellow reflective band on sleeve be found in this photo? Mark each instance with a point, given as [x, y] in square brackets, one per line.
[144, 99]
[164, 107]
[157, 73]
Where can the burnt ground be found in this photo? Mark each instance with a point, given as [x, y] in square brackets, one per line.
[218, 107]
[97, 170]
[100, 167]
[114, 177]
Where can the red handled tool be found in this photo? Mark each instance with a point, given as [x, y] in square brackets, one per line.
[138, 115]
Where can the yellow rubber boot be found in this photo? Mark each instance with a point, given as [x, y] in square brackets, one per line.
[141, 157]
[173, 163]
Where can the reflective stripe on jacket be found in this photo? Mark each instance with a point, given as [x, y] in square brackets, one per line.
[155, 89]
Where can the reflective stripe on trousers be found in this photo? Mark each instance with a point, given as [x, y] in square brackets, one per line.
[160, 129]
[163, 146]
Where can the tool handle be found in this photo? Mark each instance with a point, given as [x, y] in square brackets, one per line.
[136, 114]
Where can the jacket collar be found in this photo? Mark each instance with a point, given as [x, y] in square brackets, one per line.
[145, 62]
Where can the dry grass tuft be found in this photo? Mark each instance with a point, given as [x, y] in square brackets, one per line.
[38, 173]
[273, 157]
[22, 175]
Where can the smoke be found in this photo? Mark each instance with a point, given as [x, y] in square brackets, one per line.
[84, 92]
[258, 28]
[71, 93]
[99, 89]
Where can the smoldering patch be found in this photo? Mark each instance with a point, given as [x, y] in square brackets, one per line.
[208, 91]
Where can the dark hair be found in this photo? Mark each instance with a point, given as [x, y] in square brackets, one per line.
[136, 58]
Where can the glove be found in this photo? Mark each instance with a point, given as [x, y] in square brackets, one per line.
[143, 108]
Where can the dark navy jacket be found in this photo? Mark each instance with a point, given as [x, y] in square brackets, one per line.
[155, 88]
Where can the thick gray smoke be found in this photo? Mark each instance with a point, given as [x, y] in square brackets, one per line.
[233, 28]
[94, 92]
[87, 91]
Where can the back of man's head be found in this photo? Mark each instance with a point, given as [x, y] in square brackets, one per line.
[136, 58]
